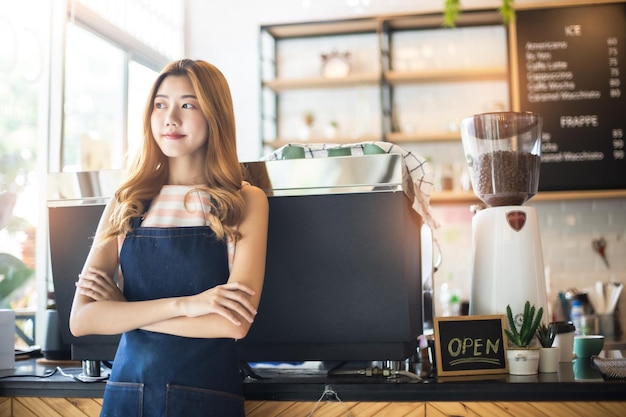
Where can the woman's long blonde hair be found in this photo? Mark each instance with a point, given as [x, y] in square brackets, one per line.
[222, 171]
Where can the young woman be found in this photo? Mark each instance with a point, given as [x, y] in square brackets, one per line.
[187, 238]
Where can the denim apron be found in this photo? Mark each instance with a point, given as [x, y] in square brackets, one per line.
[160, 375]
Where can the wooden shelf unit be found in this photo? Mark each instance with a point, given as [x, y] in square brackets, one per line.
[385, 78]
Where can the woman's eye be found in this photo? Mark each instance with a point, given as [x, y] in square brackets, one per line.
[158, 105]
[188, 106]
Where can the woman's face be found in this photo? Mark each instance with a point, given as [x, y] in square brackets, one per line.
[178, 125]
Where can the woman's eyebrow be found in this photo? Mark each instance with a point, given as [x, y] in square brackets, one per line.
[183, 96]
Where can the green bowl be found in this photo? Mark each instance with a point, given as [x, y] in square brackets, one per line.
[586, 346]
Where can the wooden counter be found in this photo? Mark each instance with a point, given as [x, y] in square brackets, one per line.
[291, 393]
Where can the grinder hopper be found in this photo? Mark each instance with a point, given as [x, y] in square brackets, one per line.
[503, 154]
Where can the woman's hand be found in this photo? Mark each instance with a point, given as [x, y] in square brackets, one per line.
[231, 301]
[98, 286]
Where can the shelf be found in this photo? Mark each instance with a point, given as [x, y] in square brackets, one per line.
[399, 137]
[461, 197]
[339, 27]
[460, 75]
[578, 195]
[454, 197]
[277, 143]
[373, 24]
[351, 80]
[436, 21]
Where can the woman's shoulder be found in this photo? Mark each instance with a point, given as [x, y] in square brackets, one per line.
[252, 191]
[253, 195]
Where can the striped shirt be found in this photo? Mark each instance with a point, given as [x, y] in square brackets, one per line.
[179, 206]
[182, 206]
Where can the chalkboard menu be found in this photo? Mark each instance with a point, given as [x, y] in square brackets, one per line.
[572, 71]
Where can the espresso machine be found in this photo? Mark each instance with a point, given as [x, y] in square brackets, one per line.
[503, 151]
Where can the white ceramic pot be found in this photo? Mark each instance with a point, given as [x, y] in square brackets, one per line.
[523, 361]
[549, 359]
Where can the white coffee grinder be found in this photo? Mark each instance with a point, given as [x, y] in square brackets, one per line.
[503, 152]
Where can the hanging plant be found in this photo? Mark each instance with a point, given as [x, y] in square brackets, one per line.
[452, 10]
[507, 10]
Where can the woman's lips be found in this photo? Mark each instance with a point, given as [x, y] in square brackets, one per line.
[173, 136]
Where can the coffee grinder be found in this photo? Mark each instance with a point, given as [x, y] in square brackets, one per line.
[503, 153]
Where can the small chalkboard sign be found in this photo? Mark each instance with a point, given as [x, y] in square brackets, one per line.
[470, 345]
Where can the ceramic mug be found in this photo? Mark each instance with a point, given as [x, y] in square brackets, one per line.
[586, 346]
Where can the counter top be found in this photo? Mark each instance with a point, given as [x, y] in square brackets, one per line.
[563, 385]
[573, 382]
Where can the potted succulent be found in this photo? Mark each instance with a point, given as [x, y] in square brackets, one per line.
[548, 354]
[522, 357]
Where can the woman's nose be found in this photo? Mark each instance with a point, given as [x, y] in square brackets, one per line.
[171, 118]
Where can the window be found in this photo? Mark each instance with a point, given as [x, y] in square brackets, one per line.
[113, 50]
[139, 82]
[22, 55]
[52, 104]
[94, 109]
[104, 100]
